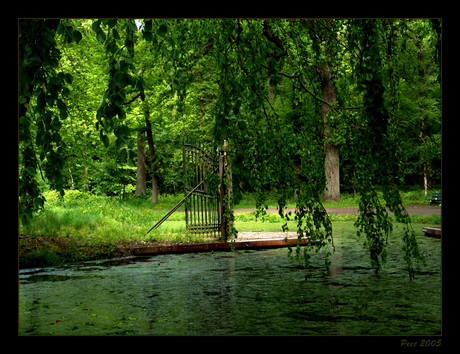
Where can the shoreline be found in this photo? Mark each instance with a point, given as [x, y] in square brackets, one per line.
[42, 250]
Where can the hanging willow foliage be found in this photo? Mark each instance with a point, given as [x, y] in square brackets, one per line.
[286, 88]
[285, 153]
[375, 161]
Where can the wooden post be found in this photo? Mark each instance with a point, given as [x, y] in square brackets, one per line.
[224, 188]
[223, 226]
[229, 187]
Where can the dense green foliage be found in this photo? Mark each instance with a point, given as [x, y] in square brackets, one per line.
[94, 93]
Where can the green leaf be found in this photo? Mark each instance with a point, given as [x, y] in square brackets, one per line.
[124, 130]
[111, 22]
[96, 26]
[22, 99]
[148, 36]
[123, 155]
[77, 36]
[105, 140]
[162, 30]
[60, 28]
[112, 47]
[62, 114]
[61, 105]
[148, 25]
[132, 25]
[115, 34]
[101, 36]
[68, 78]
[56, 123]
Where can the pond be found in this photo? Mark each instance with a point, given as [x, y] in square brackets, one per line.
[236, 293]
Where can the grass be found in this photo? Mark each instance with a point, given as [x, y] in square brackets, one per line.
[411, 196]
[80, 214]
[81, 226]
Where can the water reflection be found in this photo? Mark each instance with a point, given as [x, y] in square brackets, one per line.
[253, 292]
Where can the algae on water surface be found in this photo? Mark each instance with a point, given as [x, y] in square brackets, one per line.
[253, 292]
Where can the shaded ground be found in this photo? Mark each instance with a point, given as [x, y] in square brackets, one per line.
[41, 251]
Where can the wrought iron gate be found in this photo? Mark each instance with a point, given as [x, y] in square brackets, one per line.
[202, 208]
[207, 180]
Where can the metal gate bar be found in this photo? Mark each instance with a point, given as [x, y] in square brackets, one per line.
[174, 209]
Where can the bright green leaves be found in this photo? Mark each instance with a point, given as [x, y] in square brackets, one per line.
[119, 44]
[70, 34]
[100, 34]
[147, 31]
[150, 34]
[30, 200]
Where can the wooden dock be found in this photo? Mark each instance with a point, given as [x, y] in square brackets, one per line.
[220, 246]
[432, 231]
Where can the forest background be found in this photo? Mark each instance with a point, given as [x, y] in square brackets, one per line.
[314, 109]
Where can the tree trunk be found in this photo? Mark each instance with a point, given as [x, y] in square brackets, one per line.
[425, 179]
[151, 154]
[427, 183]
[85, 178]
[154, 189]
[71, 178]
[140, 176]
[85, 169]
[332, 190]
[332, 162]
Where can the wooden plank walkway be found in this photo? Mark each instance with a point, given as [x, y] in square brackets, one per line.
[220, 246]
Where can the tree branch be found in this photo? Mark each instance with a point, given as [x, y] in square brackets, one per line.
[133, 99]
[204, 48]
[421, 129]
[274, 39]
[311, 93]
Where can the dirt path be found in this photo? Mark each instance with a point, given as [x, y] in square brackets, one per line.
[417, 209]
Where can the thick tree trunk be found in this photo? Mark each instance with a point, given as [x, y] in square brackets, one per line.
[332, 191]
[140, 176]
[332, 162]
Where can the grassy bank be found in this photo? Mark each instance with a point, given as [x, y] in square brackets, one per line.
[81, 227]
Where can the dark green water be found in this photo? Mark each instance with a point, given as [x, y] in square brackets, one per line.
[255, 293]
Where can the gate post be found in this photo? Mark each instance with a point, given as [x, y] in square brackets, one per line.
[225, 188]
